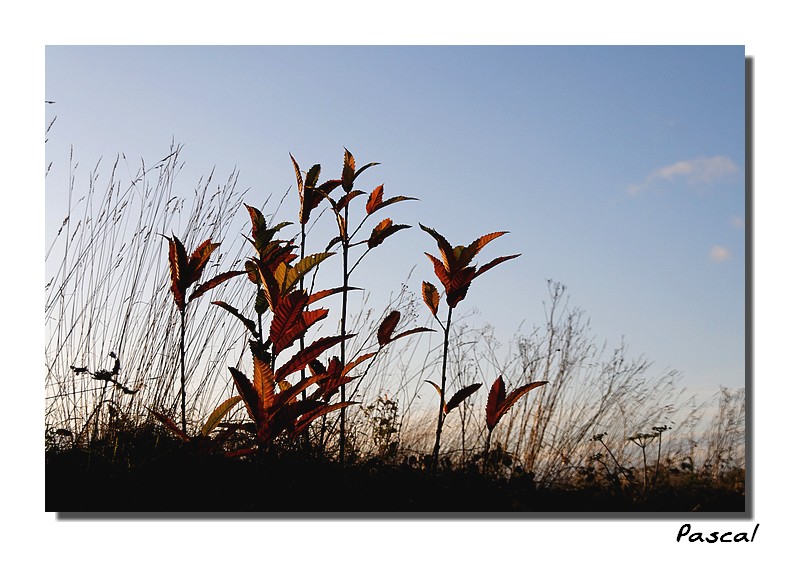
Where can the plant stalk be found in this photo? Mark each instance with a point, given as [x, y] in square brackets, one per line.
[183, 371]
[440, 420]
[345, 278]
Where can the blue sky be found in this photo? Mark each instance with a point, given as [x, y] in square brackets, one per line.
[618, 171]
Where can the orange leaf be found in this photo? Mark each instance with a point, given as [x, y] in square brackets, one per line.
[383, 231]
[430, 296]
[375, 199]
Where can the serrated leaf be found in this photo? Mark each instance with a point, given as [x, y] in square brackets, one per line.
[348, 171]
[309, 353]
[302, 267]
[375, 199]
[249, 323]
[498, 404]
[430, 295]
[387, 327]
[460, 396]
[214, 282]
[376, 202]
[497, 395]
[248, 393]
[446, 250]
[307, 418]
[411, 332]
[326, 292]
[216, 416]
[466, 254]
[199, 259]
[493, 263]
[383, 231]
[342, 203]
[515, 395]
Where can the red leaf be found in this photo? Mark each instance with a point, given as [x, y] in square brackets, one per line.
[388, 326]
[460, 396]
[306, 419]
[174, 429]
[248, 393]
[214, 282]
[326, 292]
[515, 395]
[497, 395]
[303, 357]
[286, 314]
[199, 259]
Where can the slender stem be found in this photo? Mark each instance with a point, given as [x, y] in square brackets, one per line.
[440, 419]
[644, 459]
[183, 372]
[345, 278]
[486, 452]
[302, 337]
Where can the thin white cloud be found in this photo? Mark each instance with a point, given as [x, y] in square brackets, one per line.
[699, 171]
[719, 253]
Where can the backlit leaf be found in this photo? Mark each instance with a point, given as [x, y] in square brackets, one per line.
[214, 282]
[171, 425]
[216, 416]
[493, 263]
[307, 418]
[249, 396]
[249, 323]
[383, 231]
[445, 248]
[460, 396]
[430, 295]
[387, 327]
[309, 353]
[497, 395]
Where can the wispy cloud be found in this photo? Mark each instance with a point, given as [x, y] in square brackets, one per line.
[737, 222]
[719, 253]
[699, 171]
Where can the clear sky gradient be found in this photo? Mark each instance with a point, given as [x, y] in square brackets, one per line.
[618, 171]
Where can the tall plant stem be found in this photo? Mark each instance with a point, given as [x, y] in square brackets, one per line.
[440, 420]
[183, 371]
[302, 337]
[486, 451]
[345, 277]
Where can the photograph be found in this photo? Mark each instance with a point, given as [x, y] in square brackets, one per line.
[398, 281]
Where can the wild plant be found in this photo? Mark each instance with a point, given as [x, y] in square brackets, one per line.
[499, 403]
[185, 271]
[456, 274]
[346, 237]
[203, 444]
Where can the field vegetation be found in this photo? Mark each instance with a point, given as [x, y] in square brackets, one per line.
[195, 363]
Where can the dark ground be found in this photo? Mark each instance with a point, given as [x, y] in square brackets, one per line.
[177, 481]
